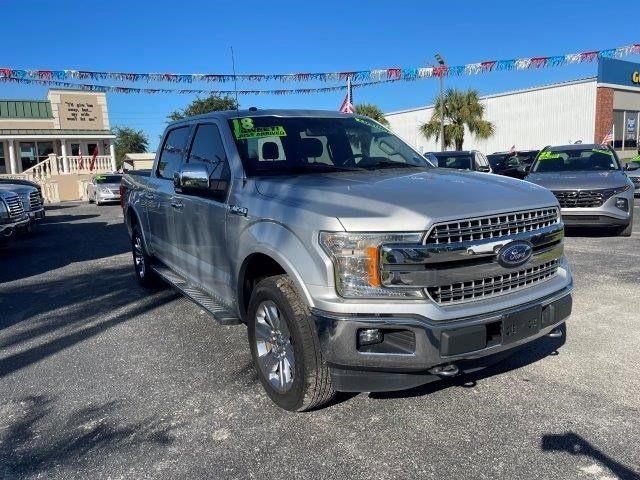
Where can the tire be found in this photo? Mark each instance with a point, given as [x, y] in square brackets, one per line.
[626, 231]
[142, 261]
[291, 335]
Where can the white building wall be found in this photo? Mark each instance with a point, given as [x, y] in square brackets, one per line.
[528, 119]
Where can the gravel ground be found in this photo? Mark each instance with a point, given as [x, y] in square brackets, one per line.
[100, 379]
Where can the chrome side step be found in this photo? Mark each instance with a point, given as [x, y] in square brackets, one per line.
[213, 306]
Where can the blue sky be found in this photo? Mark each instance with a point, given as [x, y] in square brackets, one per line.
[288, 36]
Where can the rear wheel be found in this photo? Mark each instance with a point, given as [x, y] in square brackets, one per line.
[142, 260]
[285, 347]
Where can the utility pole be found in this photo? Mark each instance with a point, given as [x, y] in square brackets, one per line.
[442, 64]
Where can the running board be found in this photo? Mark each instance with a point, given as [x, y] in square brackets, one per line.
[217, 309]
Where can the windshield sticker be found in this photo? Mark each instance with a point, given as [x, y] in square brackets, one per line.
[548, 155]
[100, 177]
[371, 124]
[244, 128]
[606, 152]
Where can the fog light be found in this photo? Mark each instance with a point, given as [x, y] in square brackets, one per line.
[369, 336]
[622, 204]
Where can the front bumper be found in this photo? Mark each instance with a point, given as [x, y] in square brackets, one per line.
[37, 214]
[606, 215]
[420, 347]
[13, 228]
[107, 197]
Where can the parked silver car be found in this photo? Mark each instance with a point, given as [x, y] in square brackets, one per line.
[104, 188]
[632, 170]
[13, 218]
[590, 184]
[356, 265]
[30, 197]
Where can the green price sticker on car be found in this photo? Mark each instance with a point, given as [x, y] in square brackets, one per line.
[244, 128]
[548, 155]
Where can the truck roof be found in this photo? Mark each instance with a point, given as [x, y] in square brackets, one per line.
[229, 114]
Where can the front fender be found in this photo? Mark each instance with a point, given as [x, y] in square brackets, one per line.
[299, 257]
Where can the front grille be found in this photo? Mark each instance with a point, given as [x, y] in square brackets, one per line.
[14, 204]
[494, 226]
[580, 198]
[492, 286]
[35, 200]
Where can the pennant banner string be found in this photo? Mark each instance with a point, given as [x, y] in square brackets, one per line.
[118, 89]
[355, 75]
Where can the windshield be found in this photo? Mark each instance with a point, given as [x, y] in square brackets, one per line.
[461, 162]
[108, 179]
[495, 160]
[300, 145]
[575, 160]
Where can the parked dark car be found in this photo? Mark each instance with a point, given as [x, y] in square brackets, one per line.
[512, 164]
[463, 160]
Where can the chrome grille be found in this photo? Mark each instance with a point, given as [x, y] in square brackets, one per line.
[492, 286]
[580, 198]
[494, 226]
[15, 206]
[35, 200]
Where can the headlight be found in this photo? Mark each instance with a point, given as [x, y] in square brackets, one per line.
[4, 211]
[615, 191]
[356, 262]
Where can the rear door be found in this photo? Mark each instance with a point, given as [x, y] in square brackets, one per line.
[201, 220]
[160, 196]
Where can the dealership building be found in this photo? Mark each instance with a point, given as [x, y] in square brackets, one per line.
[69, 124]
[581, 110]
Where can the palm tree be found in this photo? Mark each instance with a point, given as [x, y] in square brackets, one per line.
[372, 111]
[461, 108]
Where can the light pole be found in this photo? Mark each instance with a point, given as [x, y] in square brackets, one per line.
[441, 62]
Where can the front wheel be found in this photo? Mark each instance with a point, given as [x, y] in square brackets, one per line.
[626, 231]
[285, 347]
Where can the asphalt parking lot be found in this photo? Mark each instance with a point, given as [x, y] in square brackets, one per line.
[101, 379]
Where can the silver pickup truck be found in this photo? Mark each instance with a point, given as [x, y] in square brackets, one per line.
[354, 262]
[13, 218]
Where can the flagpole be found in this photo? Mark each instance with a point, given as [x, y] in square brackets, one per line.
[349, 91]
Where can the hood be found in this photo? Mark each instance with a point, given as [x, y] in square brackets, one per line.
[579, 180]
[18, 189]
[407, 201]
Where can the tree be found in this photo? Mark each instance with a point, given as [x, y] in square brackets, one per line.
[461, 109]
[372, 111]
[212, 103]
[129, 140]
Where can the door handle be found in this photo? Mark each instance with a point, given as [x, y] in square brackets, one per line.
[177, 205]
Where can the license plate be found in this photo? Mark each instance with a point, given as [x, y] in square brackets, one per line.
[521, 324]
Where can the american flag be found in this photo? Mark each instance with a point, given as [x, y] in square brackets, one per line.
[347, 106]
[608, 138]
[512, 149]
[92, 165]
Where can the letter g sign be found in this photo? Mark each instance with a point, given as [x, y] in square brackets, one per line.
[635, 78]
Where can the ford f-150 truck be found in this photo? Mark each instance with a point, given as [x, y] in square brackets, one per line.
[354, 262]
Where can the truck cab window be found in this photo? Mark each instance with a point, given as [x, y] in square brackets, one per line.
[173, 152]
[207, 148]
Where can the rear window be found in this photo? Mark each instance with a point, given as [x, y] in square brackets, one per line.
[461, 162]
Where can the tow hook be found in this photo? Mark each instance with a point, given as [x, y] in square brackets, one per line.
[450, 370]
[555, 333]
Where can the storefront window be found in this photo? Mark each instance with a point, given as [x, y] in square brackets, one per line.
[75, 149]
[44, 149]
[28, 155]
[626, 129]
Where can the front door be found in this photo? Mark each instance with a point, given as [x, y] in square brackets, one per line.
[200, 221]
[159, 197]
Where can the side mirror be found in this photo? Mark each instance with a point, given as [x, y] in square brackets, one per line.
[527, 169]
[632, 166]
[192, 178]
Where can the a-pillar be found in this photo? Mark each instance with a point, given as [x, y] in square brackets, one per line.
[13, 164]
[65, 159]
[112, 152]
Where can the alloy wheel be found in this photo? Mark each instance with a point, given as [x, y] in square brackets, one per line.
[273, 346]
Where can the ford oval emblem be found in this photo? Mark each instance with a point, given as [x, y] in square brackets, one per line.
[515, 254]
